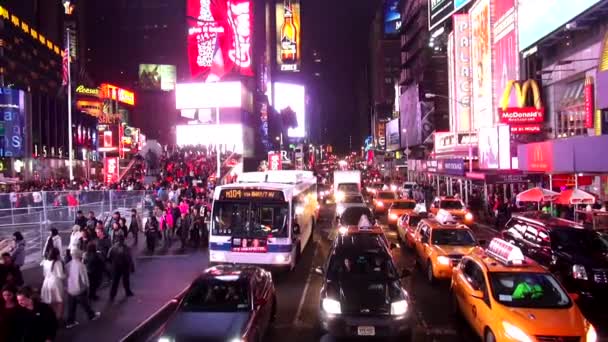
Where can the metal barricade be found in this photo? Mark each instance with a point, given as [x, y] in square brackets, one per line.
[35, 213]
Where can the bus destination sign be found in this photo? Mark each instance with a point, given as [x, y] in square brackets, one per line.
[251, 194]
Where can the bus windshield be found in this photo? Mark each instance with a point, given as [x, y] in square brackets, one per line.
[250, 219]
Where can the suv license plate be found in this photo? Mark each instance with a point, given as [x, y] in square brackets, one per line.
[366, 331]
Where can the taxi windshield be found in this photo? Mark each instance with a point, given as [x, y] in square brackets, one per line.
[451, 205]
[404, 205]
[528, 290]
[387, 195]
[361, 264]
[453, 237]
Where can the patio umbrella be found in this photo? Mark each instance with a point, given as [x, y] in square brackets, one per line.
[536, 195]
[575, 196]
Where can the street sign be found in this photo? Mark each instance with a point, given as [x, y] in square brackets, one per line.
[407, 152]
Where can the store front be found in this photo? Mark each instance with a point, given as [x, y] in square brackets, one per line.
[576, 162]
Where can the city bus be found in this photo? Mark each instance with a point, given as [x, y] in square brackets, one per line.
[265, 219]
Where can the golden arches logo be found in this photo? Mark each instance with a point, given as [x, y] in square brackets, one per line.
[522, 93]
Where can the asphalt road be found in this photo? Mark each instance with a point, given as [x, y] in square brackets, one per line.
[298, 295]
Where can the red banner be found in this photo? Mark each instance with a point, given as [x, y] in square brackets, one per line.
[521, 115]
[589, 104]
[275, 162]
[540, 156]
[110, 170]
[219, 38]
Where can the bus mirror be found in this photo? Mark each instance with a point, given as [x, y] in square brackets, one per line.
[296, 230]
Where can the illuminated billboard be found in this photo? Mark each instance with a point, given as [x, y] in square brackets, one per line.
[12, 122]
[219, 38]
[495, 147]
[392, 135]
[534, 23]
[230, 135]
[392, 18]
[441, 10]
[289, 44]
[292, 96]
[157, 77]
[112, 92]
[209, 95]
[481, 64]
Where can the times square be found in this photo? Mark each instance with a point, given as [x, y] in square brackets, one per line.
[273, 170]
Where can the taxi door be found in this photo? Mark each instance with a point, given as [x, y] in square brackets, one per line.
[422, 243]
[474, 297]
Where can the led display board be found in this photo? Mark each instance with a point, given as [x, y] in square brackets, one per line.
[157, 77]
[289, 44]
[392, 18]
[219, 38]
[293, 96]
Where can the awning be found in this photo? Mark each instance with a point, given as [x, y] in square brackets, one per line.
[504, 178]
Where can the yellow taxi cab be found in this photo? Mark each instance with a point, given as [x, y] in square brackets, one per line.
[454, 206]
[507, 297]
[406, 227]
[383, 200]
[398, 208]
[440, 242]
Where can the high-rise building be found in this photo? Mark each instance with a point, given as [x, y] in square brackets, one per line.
[423, 79]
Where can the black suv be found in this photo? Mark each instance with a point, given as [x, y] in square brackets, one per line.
[362, 293]
[577, 256]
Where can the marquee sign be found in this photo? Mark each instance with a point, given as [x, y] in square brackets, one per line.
[82, 90]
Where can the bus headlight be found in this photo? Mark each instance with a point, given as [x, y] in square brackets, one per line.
[339, 209]
[281, 259]
[217, 256]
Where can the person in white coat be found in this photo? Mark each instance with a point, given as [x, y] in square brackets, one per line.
[53, 241]
[52, 286]
[75, 240]
[78, 289]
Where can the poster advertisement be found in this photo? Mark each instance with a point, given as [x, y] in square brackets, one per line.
[392, 18]
[506, 56]
[495, 147]
[481, 63]
[392, 135]
[219, 38]
[157, 77]
[411, 118]
[12, 122]
[462, 73]
[289, 44]
[110, 169]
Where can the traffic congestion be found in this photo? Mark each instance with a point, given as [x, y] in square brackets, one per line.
[342, 254]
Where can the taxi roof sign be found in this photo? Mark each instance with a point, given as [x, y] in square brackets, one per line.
[444, 217]
[505, 252]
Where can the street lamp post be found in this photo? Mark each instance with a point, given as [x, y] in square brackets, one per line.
[69, 9]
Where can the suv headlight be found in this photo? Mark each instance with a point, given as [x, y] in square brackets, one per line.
[165, 339]
[331, 306]
[399, 308]
[515, 333]
[579, 272]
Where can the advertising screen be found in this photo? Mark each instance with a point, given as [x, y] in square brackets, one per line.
[392, 18]
[533, 27]
[12, 122]
[110, 169]
[506, 58]
[411, 118]
[157, 77]
[230, 135]
[289, 43]
[219, 38]
[293, 96]
[209, 95]
[495, 147]
[481, 63]
[392, 135]
[462, 73]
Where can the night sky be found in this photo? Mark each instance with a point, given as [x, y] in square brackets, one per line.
[340, 29]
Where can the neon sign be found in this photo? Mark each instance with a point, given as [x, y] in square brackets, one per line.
[109, 91]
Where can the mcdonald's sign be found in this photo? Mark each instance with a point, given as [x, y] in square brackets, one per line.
[522, 114]
[540, 157]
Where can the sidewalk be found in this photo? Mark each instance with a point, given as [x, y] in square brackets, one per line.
[156, 280]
